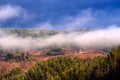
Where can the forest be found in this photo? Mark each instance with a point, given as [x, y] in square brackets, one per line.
[68, 68]
[35, 32]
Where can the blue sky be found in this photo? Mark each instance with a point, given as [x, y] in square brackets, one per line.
[59, 14]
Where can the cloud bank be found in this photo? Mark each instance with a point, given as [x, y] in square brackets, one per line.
[98, 39]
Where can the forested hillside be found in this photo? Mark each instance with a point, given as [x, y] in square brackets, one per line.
[68, 68]
[29, 32]
[36, 32]
[35, 54]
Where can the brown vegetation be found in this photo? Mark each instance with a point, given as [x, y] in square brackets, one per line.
[41, 55]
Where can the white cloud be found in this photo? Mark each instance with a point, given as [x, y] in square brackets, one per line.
[69, 22]
[89, 18]
[9, 11]
[80, 20]
[101, 38]
[84, 18]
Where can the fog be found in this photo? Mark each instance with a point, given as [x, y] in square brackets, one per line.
[97, 39]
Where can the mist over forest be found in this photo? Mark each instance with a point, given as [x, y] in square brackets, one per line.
[59, 39]
[38, 38]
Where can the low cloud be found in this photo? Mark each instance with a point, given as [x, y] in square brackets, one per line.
[97, 39]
